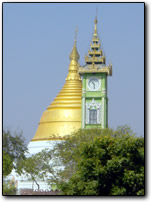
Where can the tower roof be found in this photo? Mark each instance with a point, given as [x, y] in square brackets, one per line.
[95, 60]
[95, 54]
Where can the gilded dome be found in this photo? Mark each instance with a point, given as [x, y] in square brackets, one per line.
[63, 115]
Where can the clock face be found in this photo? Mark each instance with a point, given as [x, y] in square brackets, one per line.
[93, 84]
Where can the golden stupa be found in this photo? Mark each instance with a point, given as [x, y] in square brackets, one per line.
[63, 115]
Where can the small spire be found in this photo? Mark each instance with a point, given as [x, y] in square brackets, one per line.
[74, 54]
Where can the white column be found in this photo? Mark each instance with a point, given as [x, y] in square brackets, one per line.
[87, 113]
[100, 118]
[103, 112]
[83, 112]
[98, 114]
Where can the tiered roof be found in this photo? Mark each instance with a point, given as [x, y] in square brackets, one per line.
[95, 61]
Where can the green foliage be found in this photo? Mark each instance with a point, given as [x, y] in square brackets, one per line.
[13, 150]
[36, 167]
[9, 188]
[7, 164]
[101, 162]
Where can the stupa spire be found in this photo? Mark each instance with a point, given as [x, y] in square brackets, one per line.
[74, 65]
[74, 55]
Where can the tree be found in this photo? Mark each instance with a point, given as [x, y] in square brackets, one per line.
[102, 162]
[7, 164]
[66, 154]
[14, 149]
[9, 188]
[36, 167]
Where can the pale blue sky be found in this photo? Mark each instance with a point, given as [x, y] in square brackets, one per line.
[37, 41]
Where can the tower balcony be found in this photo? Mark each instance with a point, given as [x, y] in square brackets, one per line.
[97, 46]
[96, 60]
[95, 52]
[95, 39]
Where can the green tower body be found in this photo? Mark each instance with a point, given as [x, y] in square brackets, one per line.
[94, 86]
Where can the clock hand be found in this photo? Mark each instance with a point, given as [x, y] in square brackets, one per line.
[93, 85]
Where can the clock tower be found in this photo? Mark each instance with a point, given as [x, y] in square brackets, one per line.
[94, 110]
